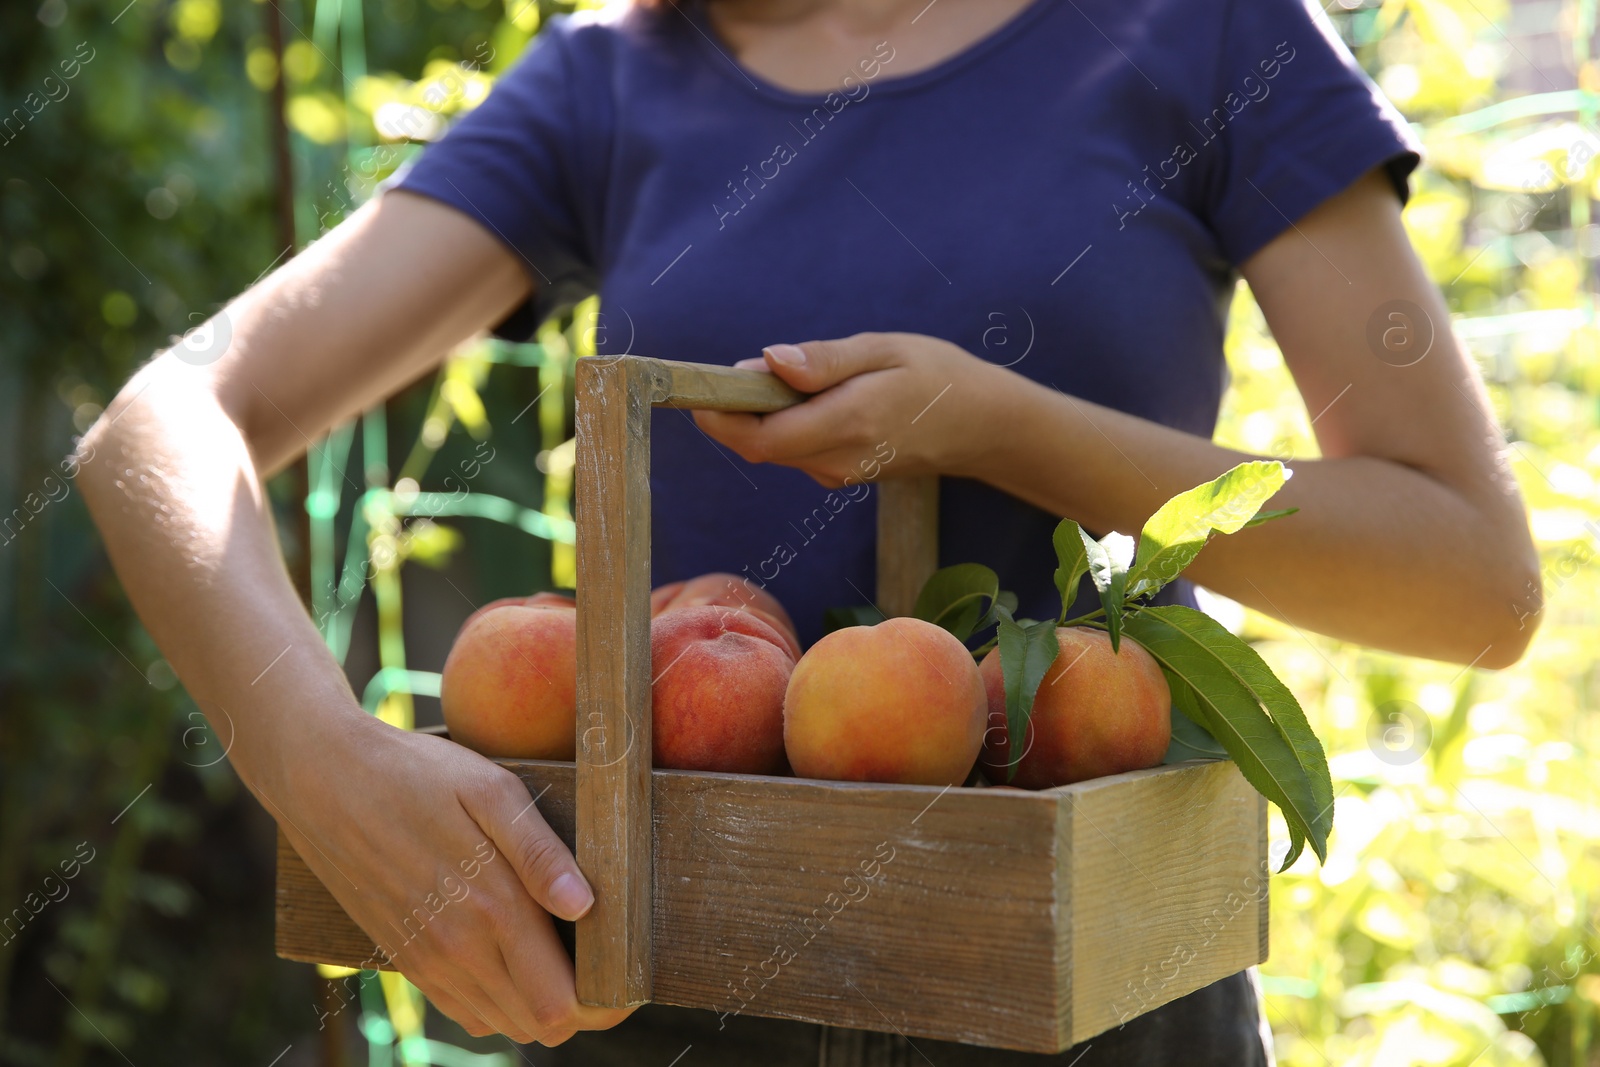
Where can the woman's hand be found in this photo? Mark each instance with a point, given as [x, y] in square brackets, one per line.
[932, 404]
[442, 857]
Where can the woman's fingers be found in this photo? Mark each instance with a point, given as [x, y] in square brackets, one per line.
[814, 366]
[809, 435]
[540, 971]
[541, 861]
[475, 1011]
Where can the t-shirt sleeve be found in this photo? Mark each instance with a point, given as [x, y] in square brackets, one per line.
[511, 165]
[1297, 120]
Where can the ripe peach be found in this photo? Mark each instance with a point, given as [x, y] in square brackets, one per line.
[510, 686]
[501, 603]
[537, 600]
[1096, 713]
[897, 702]
[717, 693]
[728, 590]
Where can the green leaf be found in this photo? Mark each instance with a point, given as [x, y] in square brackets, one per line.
[1026, 653]
[958, 598]
[842, 618]
[1216, 676]
[1268, 516]
[1190, 740]
[1108, 567]
[1180, 528]
[1072, 562]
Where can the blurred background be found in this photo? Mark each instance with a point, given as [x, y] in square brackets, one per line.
[160, 155]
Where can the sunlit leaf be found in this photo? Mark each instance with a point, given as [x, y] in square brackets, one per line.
[1180, 528]
[1108, 568]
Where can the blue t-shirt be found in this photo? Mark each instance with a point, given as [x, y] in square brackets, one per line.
[1069, 196]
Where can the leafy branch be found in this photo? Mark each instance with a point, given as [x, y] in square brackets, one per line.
[1226, 698]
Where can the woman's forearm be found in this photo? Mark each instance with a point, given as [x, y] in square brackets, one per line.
[185, 518]
[1379, 553]
[179, 458]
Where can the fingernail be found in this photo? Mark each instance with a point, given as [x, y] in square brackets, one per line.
[751, 364]
[570, 896]
[788, 355]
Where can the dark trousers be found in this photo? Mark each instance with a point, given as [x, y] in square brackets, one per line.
[1218, 1026]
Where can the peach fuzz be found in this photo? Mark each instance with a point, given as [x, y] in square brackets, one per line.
[510, 687]
[718, 679]
[1096, 713]
[897, 702]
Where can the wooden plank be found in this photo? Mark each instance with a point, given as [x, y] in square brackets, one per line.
[908, 540]
[612, 483]
[1167, 888]
[696, 385]
[895, 908]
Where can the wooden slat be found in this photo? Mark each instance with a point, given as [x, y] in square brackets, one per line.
[908, 540]
[1167, 888]
[696, 385]
[612, 484]
[874, 907]
[1023, 920]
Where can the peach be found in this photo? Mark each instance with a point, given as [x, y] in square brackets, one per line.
[717, 691]
[506, 601]
[727, 590]
[510, 687]
[537, 600]
[1096, 713]
[897, 702]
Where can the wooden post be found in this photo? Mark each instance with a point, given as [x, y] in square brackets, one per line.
[613, 774]
[908, 540]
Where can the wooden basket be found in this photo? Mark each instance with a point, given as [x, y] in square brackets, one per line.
[997, 917]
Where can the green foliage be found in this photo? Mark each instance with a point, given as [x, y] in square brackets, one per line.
[1223, 685]
[961, 598]
[132, 205]
[1072, 562]
[1026, 652]
[1109, 558]
[1180, 528]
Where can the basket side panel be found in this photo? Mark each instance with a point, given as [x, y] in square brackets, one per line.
[1169, 884]
[881, 908]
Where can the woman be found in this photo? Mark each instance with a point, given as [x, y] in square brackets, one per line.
[1004, 234]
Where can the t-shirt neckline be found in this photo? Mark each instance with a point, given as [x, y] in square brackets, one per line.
[722, 60]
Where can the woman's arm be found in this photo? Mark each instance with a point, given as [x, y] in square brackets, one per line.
[1411, 534]
[393, 823]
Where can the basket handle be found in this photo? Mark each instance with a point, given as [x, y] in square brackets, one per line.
[614, 398]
